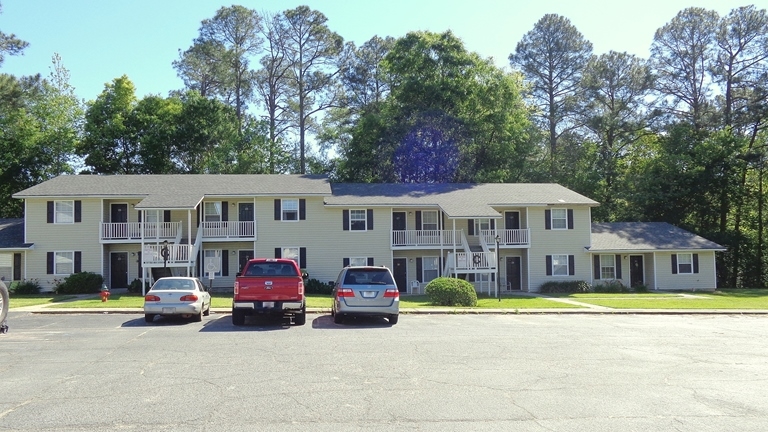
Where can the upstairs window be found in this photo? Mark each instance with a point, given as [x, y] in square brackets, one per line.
[65, 212]
[559, 219]
[482, 225]
[429, 220]
[290, 209]
[357, 220]
[212, 211]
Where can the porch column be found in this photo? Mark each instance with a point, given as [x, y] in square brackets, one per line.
[189, 241]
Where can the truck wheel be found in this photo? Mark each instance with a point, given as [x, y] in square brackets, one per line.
[393, 319]
[301, 318]
[338, 318]
[149, 317]
[238, 317]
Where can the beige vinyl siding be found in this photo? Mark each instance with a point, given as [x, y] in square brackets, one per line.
[555, 242]
[82, 236]
[703, 280]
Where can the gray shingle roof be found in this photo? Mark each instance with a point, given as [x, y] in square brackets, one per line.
[646, 236]
[12, 234]
[458, 200]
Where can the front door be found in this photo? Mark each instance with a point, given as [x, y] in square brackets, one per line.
[512, 220]
[244, 256]
[118, 269]
[513, 274]
[245, 214]
[401, 274]
[636, 273]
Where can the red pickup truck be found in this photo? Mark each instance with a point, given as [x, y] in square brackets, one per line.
[270, 286]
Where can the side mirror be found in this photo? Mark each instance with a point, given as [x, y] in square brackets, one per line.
[238, 274]
[304, 275]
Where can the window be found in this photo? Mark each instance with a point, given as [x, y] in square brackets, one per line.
[212, 211]
[429, 220]
[6, 266]
[430, 268]
[65, 212]
[559, 219]
[357, 220]
[607, 266]
[291, 253]
[64, 263]
[152, 216]
[290, 210]
[212, 255]
[560, 265]
[358, 261]
[685, 263]
[482, 225]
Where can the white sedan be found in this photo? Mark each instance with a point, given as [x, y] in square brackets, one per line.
[181, 296]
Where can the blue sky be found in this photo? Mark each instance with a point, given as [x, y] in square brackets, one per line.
[99, 40]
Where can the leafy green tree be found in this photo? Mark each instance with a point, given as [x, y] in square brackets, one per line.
[152, 126]
[10, 44]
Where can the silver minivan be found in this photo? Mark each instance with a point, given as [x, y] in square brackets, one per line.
[365, 290]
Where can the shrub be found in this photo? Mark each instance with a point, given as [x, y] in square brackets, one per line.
[568, 287]
[30, 286]
[135, 286]
[315, 286]
[611, 286]
[640, 288]
[81, 283]
[445, 291]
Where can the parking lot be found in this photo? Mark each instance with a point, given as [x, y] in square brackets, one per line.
[427, 373]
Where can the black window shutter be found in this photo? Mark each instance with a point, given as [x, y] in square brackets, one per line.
[419, 277]
[471, 277]
[345, 219]
[303, 257]
[493, 224]
[418, 220]
[139, 269]
[442, 219]
[278, 253]
[369, 215]
[50, 211]
[674, 263]
[78, 211]
[571, 265]
[570, 218]
[199, 209]
[49, 263]
[140, 213]
[167, 216]
[596, 266]
[345, 262]
[224, 261]
[470, 227]
[547, 219]
[17, 266]
[618, 266]
[277, 210]
[695, 263]
[78, 261]
[370, 261]
[302, 209]
[549, 265]
[224, 212]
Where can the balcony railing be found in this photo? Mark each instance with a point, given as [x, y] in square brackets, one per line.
[425, 238]
[475, 261]
[133, 230]
[229, 229]
[507, 237]
[177, 254]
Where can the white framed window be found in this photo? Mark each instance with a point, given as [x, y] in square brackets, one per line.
[358, 220]
[212, 254]
[482, 225]
[290, 209]
[685, 263]
[64, 212]
[429, 268]
[6, 266]
[212, 211]
[291, 253]
[152, 216]
[608, 267]
[559, 219]
[560, 265]
[358, 261]
[63, 263]
[429, 220]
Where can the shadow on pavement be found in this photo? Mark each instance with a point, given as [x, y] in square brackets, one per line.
[350, 323]
[159, 321]
[259, 323]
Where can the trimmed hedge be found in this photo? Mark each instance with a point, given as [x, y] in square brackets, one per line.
[445, 291]
[555, 287]
[611, 286]
[81, 283]
[315, 286]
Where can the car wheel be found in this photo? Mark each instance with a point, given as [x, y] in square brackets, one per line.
[301, 318]
[338, 318]
[238, 317]
[149, 317]
[393, 319]
[198, 316]
[207, 312]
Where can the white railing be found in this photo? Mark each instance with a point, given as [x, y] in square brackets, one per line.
[507, 237]
[468, 261]
[421, 238]
[229, 229]
[132, 230]
[177, 254]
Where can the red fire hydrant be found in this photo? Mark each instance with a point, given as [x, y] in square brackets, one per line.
[104, 293]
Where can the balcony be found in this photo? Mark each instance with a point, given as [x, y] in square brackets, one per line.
[116, 232]
[412, 239]
[178, 255]
[236, 230]
[507, 237]
[475, 262]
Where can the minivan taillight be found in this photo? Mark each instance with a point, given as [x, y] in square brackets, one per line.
[345, 292]
[392, 292]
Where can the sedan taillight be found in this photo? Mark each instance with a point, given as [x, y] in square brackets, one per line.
[189, 298]
[392, 292]
[345, 292]
[151, 298]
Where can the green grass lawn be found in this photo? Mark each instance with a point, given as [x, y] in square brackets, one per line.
[723, 299]
[22, 300]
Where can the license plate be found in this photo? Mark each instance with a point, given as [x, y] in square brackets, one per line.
[169, 310]
[268, 304]
[368, 294]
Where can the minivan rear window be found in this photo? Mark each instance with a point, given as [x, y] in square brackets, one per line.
[271, 269]
[368, 277]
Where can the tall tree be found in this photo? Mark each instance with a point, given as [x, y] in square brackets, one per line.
[10, 44]
[552, 57]
[204, 68]
[312, 49]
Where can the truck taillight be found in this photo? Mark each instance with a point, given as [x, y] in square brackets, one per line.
[237, 287]
[392, 292]
[345, 292]
[301, 288]
[188, 298]
[151, 298]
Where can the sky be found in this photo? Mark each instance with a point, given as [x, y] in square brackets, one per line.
[100, 40]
